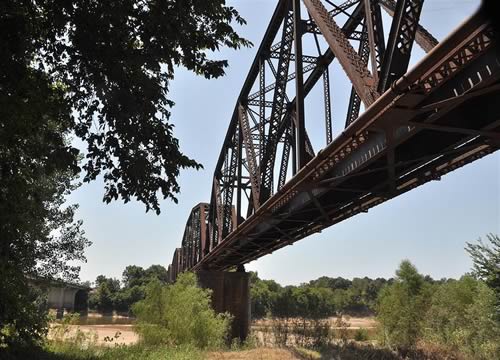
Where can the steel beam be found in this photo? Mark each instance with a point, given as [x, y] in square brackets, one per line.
[328, 106]
[267, 164]
[360, 77]
[299, 88]
[423, 37]
[253, 168]
[400, 43]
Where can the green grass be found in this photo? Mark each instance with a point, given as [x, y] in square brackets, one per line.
[54, 351]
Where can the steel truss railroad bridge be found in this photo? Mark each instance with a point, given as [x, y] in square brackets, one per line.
[271, 188]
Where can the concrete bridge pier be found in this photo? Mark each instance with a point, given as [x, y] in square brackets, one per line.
[230, 293]
[68, 298]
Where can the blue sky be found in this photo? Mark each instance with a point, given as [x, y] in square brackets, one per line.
[429, 225]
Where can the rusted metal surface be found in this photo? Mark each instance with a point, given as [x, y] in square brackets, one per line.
[425, 124]
[360, 77]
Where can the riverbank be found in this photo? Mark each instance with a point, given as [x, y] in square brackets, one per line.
[120, 330]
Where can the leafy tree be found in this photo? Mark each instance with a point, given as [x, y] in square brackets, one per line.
[318, 298]
[332, 283]
[481, 335]
[286, 304]
[461, 315]
[486, 260]
[448, 308]
[128, 297]
[263, 295]
[133, 276]
[263, 299]
[114, 61]
[99, 71]
[105, 296]
[321, 303]
[109, 295]
[157, 272]
[39, 235]
[180, 314]
[402, 307]
[113, 284]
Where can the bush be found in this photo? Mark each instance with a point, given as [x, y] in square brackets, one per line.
[462, 317]
[361, 335]
[180, 314]
[23, 317]
[402, 307]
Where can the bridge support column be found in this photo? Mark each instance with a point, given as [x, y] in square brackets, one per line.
[231, 293]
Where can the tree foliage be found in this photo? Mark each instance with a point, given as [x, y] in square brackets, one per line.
[112, 295]
[461, 316]
[402, 307]
[133, 276]
[39, 236]
[319, 298]
[113, 62]
[98, 71]
[486, 260]
[180, 314]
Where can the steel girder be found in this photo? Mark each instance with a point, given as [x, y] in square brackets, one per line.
[272, 138]
[355, 100]
[362, 80]
[423, 37]
[401, 38]
[329, 187]
[194, 243]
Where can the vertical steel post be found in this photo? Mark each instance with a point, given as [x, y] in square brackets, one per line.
[328, 106]
[299, 87]
[203, 231]
[262, 108]
[238, 187]
[294, 147]
[371, 39]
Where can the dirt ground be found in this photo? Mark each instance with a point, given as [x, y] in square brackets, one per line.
[255, 354]
[354, 322]
[127, 336]
[359, 322]
[125, 333]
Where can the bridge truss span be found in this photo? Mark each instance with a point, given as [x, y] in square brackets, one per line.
[272, 188]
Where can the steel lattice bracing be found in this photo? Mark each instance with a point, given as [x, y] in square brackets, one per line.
[194, 245]
[402, 128]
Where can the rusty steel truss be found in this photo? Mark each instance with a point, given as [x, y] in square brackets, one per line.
[271, 187]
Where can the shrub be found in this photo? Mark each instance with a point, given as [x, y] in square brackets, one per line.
[180, 314]
[361, 335]
[402, 306]
[462, 317]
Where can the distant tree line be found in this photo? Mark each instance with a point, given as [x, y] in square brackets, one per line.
[453, 315]
[112, 294]
[320, 298]
[459, 315]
